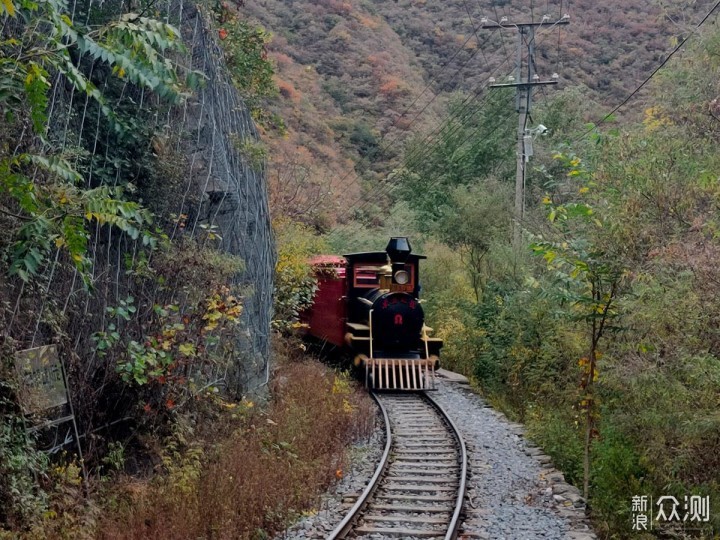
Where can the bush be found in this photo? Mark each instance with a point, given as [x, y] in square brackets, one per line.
[617, 475]
[264, 469]
[22, 502]
[295, 284]
[555, 431]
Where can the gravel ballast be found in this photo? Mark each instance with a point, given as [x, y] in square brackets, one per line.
[513, 491]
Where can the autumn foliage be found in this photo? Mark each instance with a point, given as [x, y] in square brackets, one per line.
[259, 470]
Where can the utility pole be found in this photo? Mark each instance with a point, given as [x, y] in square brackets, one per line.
[524, 81]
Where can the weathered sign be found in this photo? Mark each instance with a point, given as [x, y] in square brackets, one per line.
[42, 385]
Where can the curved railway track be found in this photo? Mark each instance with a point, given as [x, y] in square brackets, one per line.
[418, 488]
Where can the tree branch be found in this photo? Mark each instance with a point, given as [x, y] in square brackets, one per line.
[7, 212]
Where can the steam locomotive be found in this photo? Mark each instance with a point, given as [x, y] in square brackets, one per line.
[368, 303]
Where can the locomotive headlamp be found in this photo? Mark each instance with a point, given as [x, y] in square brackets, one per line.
[399, 249]
[402, 277]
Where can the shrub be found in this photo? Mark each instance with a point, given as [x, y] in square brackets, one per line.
[295, 284]
[265, 469]
[22, 502]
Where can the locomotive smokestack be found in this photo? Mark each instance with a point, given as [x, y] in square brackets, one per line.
[399, 249]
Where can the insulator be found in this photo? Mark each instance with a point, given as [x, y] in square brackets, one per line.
[484, 20]
[492, 80]
[555, 76]
[503, 20]
[536, 77]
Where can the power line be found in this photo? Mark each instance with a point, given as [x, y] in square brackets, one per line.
[557, 55]
[502, 39]
[433, 79]
[383, 190]
[454, 126]
[393, 187]
[473, 134]
[438, 131]
[472, 24]
[418, 114]
[631, 95]
[387, 188]
[466, 103]
[436, 135]
[429, 84]
[524, 88]
[463, 107]
[649, 77]
[480, 48]
[449, 128]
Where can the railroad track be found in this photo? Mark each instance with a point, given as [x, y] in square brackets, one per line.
[418, 487]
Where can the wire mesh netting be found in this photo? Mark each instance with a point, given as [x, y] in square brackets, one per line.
[200, 183]
[234, 193]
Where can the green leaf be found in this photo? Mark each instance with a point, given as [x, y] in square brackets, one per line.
[549, 256]
[187, 349]
[57, 166]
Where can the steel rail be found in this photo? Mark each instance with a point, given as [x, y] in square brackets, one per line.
[346, 524]
[455, 521]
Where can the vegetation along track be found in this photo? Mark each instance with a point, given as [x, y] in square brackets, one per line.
[418, 488]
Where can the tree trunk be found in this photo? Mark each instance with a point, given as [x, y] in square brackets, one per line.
[588, 422]
[589, 396]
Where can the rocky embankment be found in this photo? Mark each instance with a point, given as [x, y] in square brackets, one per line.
[514, 492]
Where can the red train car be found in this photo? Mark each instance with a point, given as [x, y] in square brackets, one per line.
[369, 303]
[326, 319]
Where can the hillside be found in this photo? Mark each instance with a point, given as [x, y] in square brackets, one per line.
[356, 78]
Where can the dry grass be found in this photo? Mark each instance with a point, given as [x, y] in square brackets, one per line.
[272, 465]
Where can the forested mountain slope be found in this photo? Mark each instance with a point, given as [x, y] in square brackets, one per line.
[357, 76]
